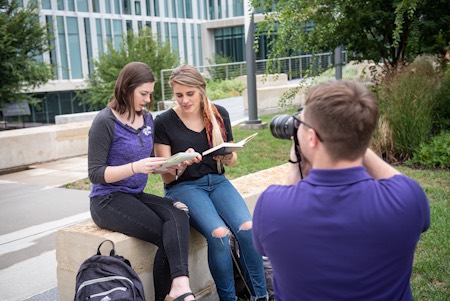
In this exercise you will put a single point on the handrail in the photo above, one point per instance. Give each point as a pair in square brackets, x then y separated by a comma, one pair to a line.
[294, 66]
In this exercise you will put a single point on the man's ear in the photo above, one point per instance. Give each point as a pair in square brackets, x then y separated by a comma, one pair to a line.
[312, 138]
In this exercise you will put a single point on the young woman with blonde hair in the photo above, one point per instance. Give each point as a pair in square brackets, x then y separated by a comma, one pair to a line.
[215, 206]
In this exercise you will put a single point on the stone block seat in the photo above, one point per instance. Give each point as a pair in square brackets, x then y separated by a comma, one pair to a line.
[77, 242]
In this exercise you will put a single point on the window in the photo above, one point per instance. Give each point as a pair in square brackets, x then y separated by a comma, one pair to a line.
[87, 34]
[60, 4]
[46, 4]
[238, 8]
[175, 9]
[64, 64]
[158, 31]
[52, 52]
[193, 45]
[129, 25]
[96, 6]
[82, 6]
[108, 6]
[156, 4]
[126, 8]
[174, 37]
[118, 33]
[108, 31]
[71, 5]
[189, 9]
[185, 43]
[230, 42]
[199, 43]
[74, 46]
[137, 8]
[65, 101]
[117, 7]
[98, 25]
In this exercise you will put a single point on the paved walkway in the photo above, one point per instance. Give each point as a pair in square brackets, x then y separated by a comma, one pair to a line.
[33, 208]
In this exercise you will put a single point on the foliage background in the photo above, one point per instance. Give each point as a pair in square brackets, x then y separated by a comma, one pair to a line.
[142, 47]
[389, 31]
[22, 40]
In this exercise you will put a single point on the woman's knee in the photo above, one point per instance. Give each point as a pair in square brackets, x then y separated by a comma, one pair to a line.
[246, 226]
[220, 232]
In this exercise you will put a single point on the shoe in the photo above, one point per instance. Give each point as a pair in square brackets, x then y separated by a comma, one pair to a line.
[179, 298]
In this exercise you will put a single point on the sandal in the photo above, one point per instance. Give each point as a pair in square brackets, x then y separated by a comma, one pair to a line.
[179, 298]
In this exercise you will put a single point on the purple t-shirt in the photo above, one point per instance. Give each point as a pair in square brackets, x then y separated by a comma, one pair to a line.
[112, 143]
[341, 235]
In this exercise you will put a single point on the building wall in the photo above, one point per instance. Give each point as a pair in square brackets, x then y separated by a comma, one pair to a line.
[196, 29]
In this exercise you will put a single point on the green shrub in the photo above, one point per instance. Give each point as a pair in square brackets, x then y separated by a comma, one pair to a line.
[441, 119]
[225, 88]
[407, 101]
[140, 47]
[434, 154]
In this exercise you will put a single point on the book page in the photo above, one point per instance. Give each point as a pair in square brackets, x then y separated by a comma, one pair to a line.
[228, 147]
[177, 159]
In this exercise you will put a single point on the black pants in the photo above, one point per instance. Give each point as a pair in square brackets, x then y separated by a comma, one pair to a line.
[153, 219]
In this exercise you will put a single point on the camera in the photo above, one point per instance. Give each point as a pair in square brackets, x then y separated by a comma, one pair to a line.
[282, 126]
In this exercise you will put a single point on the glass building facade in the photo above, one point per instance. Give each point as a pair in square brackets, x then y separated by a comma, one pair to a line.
[81, 30]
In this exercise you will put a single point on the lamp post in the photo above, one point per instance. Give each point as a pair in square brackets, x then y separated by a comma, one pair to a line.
[249, 25]
[338, 62]
[338, 54]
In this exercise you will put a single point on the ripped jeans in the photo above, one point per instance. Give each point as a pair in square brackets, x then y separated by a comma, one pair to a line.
[214, 206]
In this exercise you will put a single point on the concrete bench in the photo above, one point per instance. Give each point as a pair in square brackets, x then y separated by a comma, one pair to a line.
[76, 243]
[269, 90]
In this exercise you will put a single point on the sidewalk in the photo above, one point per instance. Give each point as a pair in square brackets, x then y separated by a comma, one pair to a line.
[34, 207]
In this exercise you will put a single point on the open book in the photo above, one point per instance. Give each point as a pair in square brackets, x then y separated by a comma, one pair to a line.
[177, 159]
[228, 147]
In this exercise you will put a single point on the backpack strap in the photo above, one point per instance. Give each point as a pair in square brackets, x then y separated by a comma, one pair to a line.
[112, 253]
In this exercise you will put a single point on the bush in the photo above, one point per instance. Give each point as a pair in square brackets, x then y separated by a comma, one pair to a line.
[225, 89]
[407, 101]
[441, 119]
[434, 154]
[141, 47]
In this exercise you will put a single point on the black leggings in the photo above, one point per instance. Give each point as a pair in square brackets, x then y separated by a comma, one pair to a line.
[153, 219]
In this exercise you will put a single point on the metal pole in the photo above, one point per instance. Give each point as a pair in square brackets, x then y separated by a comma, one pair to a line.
[338, 61]
[251, 65]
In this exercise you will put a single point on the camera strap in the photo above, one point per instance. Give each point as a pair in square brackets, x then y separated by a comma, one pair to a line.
[297, 153]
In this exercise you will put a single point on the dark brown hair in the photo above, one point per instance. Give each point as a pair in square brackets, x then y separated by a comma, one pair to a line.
[345, 114]
[131, 76]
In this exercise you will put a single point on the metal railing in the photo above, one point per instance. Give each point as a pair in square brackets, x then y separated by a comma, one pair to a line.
[296, 67]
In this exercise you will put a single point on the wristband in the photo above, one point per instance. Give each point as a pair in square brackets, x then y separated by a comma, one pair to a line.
[132, 169]
[293, 162]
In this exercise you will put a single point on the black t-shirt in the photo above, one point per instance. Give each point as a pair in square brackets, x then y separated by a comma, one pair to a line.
[170, 130]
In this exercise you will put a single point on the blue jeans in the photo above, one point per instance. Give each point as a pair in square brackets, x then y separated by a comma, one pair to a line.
[214, 203]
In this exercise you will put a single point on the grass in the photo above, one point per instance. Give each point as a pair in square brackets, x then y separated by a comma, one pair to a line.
[431, 271]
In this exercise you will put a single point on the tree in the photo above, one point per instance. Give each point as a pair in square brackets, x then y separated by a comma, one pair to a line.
[386, 31]
[22, 41]
[142, 47]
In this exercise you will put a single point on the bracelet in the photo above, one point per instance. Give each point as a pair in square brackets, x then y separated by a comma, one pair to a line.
[293, 162]
[132, 169]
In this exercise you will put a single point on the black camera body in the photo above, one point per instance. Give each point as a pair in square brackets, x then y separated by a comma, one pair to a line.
[282, 126]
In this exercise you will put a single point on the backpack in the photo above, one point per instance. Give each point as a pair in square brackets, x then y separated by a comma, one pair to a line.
[241, 287]
[108, 278]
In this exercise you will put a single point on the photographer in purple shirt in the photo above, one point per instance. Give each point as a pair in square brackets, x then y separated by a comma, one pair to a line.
[348, 230]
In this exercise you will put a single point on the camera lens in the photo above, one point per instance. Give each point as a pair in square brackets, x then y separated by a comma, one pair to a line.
[282, 126]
